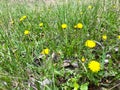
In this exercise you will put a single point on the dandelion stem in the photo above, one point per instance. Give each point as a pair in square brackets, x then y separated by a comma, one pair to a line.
[100, 44]
[83, 66]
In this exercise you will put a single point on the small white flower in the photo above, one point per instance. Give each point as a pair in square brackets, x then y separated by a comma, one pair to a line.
[116, 49]
[106, 60]
[5, 83]
[108, 56]
[45, 82]
[88, 35]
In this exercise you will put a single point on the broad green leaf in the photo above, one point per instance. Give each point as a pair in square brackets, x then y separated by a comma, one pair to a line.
[76, 86]
[84, 86]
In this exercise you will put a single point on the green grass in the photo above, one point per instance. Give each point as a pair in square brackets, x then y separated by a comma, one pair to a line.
[20, 53]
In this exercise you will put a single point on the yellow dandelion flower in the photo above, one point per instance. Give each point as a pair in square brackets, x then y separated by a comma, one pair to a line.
[45, 51]
[89, 7]
[26, 32]
[23, 18]
[75, 26]
[104, 37]
[79, 25]
[11, 22]
[114, 6]
[64, 26]
[83, 59]
[94, 66]
[90, 43]
[118, 36]
[81, 13]
[41, 24]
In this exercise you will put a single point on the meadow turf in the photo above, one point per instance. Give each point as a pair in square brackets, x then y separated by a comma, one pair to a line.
[49, 45]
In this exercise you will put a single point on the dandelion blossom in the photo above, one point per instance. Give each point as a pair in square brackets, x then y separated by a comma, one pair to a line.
[118, 37]
[81, 13]
[41, 24]
[79, 25]
[11, 22]
[89, 7]
[83, 59]
[23, 18]
[114, 6]
[45, 51]
[104, 37]
[64, 26]
[75, 26]
[94, 66]
[90, 43]
[26, 32]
